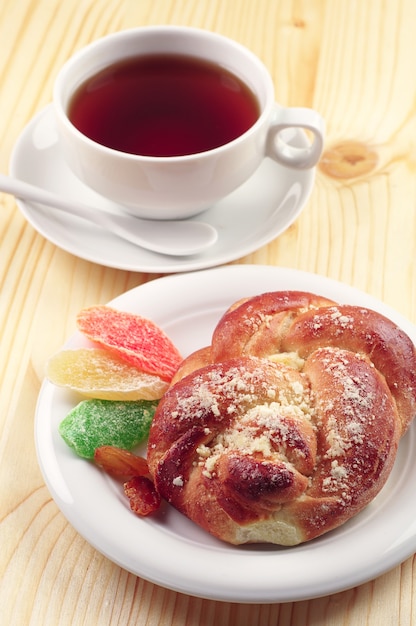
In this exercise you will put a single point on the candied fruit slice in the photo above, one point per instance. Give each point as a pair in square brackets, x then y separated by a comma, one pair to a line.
[144, 499]
[120, 462]
[133, 338]
[95, 423]
[96, 373]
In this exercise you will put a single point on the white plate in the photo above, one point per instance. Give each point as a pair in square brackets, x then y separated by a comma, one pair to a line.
[249, 218]
[173, 552]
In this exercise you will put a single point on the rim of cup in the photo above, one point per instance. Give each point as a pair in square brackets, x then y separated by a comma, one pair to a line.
[66, 85]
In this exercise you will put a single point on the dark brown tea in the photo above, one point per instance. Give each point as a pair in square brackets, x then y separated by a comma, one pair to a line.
[163, 105]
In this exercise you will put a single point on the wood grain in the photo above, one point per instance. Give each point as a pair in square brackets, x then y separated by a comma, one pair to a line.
[351, 60]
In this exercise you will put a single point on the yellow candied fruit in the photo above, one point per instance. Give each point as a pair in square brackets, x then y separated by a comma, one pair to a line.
[96, 373]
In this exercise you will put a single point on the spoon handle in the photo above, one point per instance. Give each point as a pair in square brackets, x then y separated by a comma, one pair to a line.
[26, 191]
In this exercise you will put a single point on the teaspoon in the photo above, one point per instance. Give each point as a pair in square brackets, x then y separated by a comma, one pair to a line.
[171, 237]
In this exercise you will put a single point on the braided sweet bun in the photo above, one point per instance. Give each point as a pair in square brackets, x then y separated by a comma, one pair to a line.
[289, 423]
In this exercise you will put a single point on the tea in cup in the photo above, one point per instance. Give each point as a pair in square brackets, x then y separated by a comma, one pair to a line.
[167, 120]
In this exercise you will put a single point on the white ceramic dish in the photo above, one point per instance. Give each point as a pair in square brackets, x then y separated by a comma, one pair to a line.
[170, 550]
[255, 214]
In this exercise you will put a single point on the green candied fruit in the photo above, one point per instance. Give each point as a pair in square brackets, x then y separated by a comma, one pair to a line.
[94, 423]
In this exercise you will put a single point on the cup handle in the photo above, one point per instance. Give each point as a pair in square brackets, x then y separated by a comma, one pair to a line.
[295, 156]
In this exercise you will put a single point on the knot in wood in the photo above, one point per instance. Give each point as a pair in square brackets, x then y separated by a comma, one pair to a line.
[350, 159]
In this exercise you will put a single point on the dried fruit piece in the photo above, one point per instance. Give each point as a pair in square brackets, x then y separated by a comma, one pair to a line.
[144, 499]
[119, 462]
[95, 423]
[97, 373]
[133, 338]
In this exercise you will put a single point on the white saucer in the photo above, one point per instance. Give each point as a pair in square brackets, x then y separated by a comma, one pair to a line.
[249, 218]
[170, 550]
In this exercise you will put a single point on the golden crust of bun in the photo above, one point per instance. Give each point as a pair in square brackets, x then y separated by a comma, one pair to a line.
[289, 423]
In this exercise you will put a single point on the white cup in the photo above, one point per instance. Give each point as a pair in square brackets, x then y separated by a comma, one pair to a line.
[178, 187]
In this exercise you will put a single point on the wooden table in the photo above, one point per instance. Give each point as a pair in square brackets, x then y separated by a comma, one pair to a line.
[352, 60]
